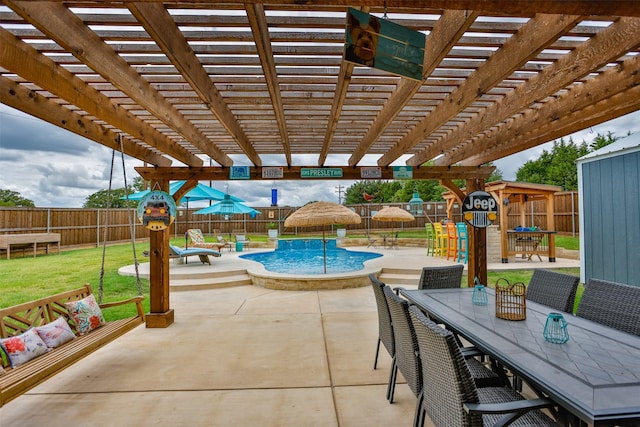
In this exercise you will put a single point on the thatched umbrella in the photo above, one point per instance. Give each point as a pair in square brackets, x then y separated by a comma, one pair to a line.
[322, 213]
[392, 214]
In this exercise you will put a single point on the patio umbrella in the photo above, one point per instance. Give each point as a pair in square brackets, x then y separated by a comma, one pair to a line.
[393, 214]
[322, 213]
[228, 206]
[199, 192]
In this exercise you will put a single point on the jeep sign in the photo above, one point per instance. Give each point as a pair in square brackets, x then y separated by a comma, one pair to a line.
[480, 209]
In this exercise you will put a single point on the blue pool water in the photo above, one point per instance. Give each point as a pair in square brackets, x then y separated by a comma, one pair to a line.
[305, 256]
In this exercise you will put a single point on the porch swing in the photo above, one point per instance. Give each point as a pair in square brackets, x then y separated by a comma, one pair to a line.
[21, 321]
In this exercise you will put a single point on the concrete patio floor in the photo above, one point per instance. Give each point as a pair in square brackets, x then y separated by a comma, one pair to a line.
[239, 356]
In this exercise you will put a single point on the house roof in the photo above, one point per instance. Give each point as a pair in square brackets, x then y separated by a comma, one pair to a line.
[260, 83]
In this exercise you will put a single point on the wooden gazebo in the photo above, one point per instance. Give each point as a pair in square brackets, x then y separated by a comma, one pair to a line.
[527, 239]
[245, 86]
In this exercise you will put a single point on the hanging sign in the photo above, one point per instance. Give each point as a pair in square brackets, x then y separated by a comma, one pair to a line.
[157, 210]
[239, 172]
[321, 173]
[385, 45]
[403, 172]
[272, 172]
[370, 172]
[480, 209]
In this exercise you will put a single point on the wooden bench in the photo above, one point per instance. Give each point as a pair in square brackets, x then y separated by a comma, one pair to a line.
[28, 240]
[19, 318]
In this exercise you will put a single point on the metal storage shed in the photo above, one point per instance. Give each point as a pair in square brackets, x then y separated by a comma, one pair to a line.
[609, 203]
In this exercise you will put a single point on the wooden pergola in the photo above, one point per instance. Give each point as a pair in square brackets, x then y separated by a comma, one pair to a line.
[182, 84]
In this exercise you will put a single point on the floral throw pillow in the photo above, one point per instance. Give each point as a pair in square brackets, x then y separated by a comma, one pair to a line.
[22, 348]
[55, 333]
[86, 313]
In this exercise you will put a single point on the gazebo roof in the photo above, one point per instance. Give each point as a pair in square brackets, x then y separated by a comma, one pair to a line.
[182, 82]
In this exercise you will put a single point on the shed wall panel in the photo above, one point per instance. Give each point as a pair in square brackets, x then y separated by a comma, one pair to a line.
[612, 218]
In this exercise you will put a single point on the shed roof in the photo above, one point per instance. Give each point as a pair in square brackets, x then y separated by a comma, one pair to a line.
[624, 145]
[258, 83]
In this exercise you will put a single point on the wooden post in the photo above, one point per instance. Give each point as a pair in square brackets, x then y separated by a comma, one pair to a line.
[477, 243]
[160, 314]
[504, 226]
[551, 226]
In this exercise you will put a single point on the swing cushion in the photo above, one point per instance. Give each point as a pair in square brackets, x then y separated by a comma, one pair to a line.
[23, 347]
[55, 333]
[86, 314]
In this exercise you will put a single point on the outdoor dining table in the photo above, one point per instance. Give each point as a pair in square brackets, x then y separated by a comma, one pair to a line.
[594, 377]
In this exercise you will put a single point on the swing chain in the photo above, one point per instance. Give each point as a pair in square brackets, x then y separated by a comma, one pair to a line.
[132, 229]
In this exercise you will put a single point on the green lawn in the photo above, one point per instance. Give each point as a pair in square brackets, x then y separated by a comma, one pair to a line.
[25, 278]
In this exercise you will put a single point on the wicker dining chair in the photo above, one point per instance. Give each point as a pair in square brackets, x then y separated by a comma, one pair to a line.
[612, 304]
[385, 329]
[407, 355]
[555, 290]
[450, 396]
[449, 276]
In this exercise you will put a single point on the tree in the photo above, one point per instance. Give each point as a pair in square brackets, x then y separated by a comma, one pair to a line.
[402, 191]
[100, 199]
[558, 167]
[13, 198]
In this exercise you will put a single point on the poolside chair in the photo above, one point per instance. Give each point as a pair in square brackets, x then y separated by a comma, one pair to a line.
[555, 290]
[612, 304]
[240, 236]
[441, 277]
[197, 240]
[202, 253]
[451, 397]
[385, 328]
[372, 240]
[392, 241]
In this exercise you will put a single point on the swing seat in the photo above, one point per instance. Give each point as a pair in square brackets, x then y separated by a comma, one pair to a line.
[202, 253]
[14, 321]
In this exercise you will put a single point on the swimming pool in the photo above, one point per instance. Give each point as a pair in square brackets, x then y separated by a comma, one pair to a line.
[305, 256]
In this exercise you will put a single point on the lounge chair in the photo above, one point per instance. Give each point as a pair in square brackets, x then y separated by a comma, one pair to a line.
[241, 237]
[202, 253]
[197, 240]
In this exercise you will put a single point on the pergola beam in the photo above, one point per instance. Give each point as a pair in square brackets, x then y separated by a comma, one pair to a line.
[534, 36]
[19, 57]
[30, 102]
[260, 30]
[213, 173]
[446, 32]
[63, 26]
[593, 54]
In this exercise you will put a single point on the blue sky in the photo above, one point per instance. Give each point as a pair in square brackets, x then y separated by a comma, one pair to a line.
[56, 168]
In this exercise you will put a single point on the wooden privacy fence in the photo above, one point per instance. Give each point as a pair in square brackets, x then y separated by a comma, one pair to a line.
[86, 227]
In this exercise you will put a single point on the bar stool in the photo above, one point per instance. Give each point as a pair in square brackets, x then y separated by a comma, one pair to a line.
[441, 241]
[431, 239]
[463, 242]
[452, 241]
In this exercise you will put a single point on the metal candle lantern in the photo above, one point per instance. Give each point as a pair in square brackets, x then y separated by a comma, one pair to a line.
[479, 296]
[555, 329]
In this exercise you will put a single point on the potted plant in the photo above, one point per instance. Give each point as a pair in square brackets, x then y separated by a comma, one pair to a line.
[341, 231]
[272, 229]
